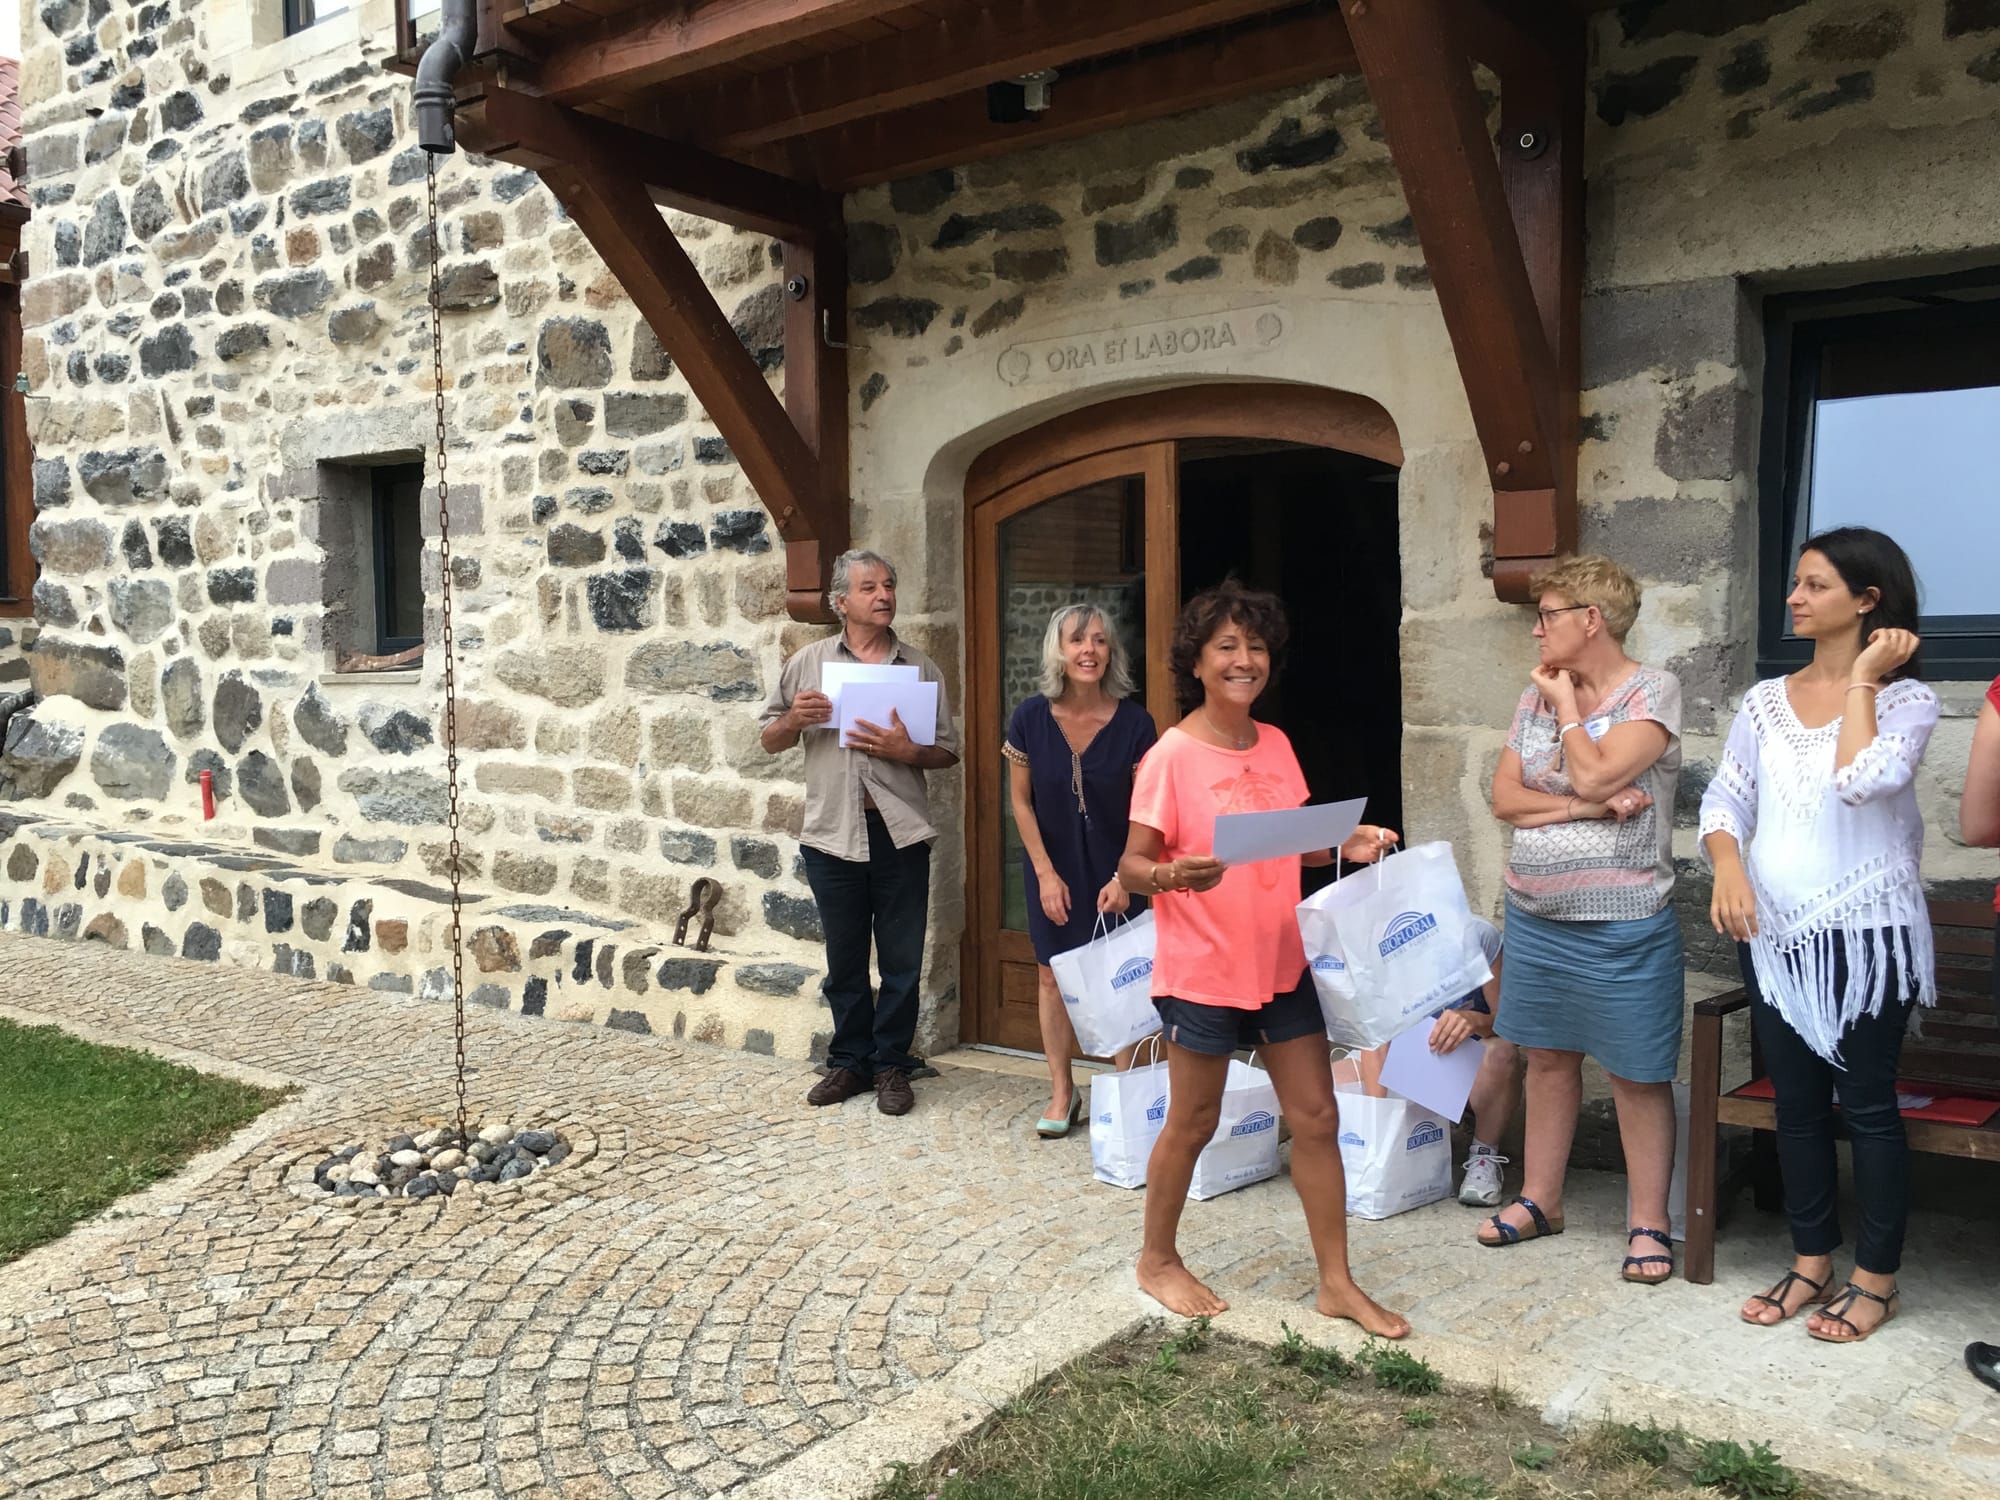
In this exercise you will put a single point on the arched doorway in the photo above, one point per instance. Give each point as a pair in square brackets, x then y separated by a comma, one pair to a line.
[1135, 504]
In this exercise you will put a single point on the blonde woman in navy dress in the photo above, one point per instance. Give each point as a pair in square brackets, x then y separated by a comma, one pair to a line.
[1071, 750]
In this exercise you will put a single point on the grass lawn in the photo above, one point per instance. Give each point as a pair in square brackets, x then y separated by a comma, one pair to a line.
[85, 1125]
[1167, 1414]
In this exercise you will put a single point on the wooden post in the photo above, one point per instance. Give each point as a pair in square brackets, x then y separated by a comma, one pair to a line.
[816, 399]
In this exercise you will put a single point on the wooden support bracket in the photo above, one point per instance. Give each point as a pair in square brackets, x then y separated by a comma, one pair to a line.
[1502, 236]
[794, 454]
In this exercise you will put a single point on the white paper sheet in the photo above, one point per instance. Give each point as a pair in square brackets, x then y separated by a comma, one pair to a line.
[835, 675]
[1442, 1083]
[916, 702]
[1245, 838]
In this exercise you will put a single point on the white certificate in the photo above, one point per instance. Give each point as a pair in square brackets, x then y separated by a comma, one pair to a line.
[1442, 1082]
[836, 675]
[915, 702]
[1245, 838]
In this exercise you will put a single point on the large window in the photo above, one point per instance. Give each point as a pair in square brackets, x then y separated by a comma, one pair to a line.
[1883, 410]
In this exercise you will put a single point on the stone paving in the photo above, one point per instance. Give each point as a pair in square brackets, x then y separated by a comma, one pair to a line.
[734, 1291]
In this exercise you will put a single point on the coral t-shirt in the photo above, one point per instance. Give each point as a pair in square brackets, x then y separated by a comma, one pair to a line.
[1992, 697]
[1237, 945]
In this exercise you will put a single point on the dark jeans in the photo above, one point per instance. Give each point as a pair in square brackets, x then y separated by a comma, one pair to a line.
[1806, 1085]
[888, 897]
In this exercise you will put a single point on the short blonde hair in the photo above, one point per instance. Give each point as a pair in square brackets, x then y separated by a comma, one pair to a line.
[1065, 622]
[1587, 578]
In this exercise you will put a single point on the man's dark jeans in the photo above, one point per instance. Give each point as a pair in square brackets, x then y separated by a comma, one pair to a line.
[1806, 1084]
[887, 898]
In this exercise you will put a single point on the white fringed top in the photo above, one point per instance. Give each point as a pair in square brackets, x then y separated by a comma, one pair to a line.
[1828, 853]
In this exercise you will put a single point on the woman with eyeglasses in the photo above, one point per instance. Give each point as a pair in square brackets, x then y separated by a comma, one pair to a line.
[1593, 947]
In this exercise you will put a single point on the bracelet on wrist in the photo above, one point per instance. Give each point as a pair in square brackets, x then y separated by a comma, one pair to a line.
[1572, 724]
[1873, 687]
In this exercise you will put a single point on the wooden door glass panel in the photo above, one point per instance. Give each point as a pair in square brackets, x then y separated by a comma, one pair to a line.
[1085, 546]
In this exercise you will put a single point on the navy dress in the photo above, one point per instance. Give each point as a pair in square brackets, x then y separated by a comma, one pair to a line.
[1082, 806]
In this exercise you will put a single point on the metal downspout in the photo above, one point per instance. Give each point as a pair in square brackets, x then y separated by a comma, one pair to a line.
[448, 52]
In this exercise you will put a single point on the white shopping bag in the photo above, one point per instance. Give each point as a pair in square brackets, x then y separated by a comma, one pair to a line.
[1244, 1148]
[1127, 1111]
[1107, 986]
[1397, 1155]
[1388, 947]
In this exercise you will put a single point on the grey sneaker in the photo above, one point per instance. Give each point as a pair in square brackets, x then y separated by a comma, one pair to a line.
[1481, 1187]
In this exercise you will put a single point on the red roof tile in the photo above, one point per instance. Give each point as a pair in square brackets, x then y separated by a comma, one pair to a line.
[10, 130]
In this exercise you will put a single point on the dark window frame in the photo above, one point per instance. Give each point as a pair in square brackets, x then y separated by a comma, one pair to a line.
[384, 481]
[1798, 327]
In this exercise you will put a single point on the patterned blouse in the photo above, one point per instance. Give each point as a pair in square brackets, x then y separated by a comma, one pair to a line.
[1597, 870]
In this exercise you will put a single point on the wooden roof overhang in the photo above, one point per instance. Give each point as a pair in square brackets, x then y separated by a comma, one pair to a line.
[760, 113]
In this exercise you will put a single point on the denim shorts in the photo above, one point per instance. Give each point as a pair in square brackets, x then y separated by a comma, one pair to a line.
[1219, 1030]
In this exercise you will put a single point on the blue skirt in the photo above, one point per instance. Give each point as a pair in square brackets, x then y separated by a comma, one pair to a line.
[1613, 990]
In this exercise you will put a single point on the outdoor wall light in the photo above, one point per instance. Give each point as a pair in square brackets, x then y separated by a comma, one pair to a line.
[1019, 99]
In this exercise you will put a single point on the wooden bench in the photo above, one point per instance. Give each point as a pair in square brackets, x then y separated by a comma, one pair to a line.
[1958, 1053]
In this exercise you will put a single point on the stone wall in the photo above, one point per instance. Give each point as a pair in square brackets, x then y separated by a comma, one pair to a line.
[1738, 150]
[228, 317]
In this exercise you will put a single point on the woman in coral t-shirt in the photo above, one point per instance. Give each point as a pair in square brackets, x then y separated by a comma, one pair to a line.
[1979, 825]
[1229, 967]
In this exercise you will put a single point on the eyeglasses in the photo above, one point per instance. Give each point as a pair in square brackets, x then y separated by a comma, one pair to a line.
[1548, 614]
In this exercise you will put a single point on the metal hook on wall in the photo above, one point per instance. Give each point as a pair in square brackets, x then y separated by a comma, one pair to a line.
[826, 332]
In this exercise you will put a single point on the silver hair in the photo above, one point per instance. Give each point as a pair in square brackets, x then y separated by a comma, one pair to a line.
[845, 564]
[1065, 621]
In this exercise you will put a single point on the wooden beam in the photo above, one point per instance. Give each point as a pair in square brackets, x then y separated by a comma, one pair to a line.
[625, 228]
[951, 132]
[1415, 61]
[656, 43]
[956, 53]
[531, 132]
[816, 400]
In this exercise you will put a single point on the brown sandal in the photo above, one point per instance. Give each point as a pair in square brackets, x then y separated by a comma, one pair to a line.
[1845, 1304]
[1776, 1298]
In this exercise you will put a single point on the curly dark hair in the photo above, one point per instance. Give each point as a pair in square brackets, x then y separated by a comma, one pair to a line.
[1228, 603]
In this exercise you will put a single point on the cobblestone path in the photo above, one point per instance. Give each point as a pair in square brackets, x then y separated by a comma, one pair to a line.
[731, 1276]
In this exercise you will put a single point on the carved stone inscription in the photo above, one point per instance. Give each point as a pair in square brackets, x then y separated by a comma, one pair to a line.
[1249, 330]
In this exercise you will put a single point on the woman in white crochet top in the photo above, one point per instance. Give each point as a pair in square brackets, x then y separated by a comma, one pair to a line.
[1812, 828]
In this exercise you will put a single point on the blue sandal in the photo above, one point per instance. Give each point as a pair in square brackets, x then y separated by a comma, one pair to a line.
[1649, 1278]
[1509, 1235]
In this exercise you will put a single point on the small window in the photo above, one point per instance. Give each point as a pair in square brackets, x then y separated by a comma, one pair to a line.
[399, 551]
[301, 15]
[1883, 410]
[368, 518]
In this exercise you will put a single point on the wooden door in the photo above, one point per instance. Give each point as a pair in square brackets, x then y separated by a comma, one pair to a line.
[1101, 529]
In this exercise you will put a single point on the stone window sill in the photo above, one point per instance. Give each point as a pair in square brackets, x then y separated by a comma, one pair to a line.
[251, 64]
[413, 677]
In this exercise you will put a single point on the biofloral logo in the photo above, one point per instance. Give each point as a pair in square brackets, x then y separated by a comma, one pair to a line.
[1157, 1110]
[1071, 1000]
[1405, 928]
[1427, 1133]
[1131, 972]
[1254, 1123]
[1349, 1138]
[1326, 963]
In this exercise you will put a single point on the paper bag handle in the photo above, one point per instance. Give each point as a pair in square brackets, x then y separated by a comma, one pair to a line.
[1154, 1038]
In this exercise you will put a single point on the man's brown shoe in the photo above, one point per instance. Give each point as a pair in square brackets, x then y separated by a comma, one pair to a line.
[893, 1094]
[839, 1085]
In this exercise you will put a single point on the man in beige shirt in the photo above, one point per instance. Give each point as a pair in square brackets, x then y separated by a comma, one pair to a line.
[867, 837]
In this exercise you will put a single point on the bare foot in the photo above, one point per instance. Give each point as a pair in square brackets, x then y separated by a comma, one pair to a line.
[1346, 1300]
[1173, 1286]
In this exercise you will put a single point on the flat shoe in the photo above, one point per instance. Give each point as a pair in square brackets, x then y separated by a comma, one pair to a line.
[1836, 1312]
[1510, 1236]
[1776, 1298]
